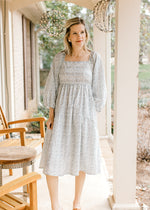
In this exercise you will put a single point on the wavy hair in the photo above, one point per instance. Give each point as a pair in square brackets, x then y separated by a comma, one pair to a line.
[69, 23]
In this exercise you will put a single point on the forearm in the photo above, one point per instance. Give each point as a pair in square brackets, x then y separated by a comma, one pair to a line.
[51, 112]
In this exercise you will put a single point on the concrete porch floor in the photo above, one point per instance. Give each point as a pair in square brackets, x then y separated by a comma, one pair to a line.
[95, 192]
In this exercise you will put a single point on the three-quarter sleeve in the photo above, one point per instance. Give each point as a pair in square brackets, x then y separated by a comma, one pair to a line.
[99, 89]
[51, 87]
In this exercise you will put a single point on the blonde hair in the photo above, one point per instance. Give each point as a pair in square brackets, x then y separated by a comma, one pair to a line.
[69, 23]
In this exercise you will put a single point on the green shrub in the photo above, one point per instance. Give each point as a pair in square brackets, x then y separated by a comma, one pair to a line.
[34, 127]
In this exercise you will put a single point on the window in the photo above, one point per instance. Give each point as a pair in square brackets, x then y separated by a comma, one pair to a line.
[28, 60]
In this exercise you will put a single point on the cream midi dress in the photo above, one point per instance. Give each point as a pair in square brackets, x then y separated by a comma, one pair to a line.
[77, 91]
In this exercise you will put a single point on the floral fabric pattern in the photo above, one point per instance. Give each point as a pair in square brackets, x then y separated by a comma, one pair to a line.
[77, 91]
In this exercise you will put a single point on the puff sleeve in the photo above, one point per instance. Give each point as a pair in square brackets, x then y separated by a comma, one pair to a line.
[51, 87]
[99, 89]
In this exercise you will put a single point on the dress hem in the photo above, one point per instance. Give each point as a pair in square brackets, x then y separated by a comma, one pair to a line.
[73, 174]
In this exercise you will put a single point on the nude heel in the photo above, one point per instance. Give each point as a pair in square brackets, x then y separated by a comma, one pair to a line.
[77, 209]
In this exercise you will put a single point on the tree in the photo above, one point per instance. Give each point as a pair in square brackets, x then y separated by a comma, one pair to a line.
[144, 41]
[49, 46]
[144, 29]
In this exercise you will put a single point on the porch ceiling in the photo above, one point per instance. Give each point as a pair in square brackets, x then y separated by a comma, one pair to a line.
[18, 4]
[84, 3]
[34, 12]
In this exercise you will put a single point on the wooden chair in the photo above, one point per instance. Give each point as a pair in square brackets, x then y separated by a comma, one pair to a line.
[9, 201]
[22, 141]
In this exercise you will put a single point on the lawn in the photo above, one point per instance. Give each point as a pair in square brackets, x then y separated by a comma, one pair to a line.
[144, 72]
[144, 84]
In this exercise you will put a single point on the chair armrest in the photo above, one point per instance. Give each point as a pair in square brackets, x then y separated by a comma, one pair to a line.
[27, 120]
[20, 130]
[40, 119]
[19, 182]
[11, 130]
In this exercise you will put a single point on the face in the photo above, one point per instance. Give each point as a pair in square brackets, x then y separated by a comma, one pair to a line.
[77, 35]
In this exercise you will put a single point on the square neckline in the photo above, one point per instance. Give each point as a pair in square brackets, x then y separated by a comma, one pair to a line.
[91, 51]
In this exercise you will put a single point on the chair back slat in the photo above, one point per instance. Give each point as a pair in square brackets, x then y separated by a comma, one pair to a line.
[3, 121]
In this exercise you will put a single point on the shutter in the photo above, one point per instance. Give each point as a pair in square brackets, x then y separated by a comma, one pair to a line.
[24, 63]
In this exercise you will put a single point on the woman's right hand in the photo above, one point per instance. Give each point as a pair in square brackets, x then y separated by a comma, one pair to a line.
[50, 122]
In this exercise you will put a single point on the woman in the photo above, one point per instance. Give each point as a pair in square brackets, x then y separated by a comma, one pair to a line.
[75, 89]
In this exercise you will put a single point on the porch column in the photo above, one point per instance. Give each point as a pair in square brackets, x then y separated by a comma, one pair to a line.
[8, 60]
[2, 70]
[126, 104]
[102, 44]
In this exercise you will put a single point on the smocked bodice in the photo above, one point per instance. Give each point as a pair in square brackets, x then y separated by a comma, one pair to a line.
[75, 72]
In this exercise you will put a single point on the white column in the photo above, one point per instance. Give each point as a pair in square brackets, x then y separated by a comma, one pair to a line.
[2, 70]
[8, 55]
[108, 79]
[102, 45]
[126, 104]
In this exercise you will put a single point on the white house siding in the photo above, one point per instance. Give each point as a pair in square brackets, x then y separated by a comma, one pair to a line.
[2, 94]
[20, 110]
[18, 65]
